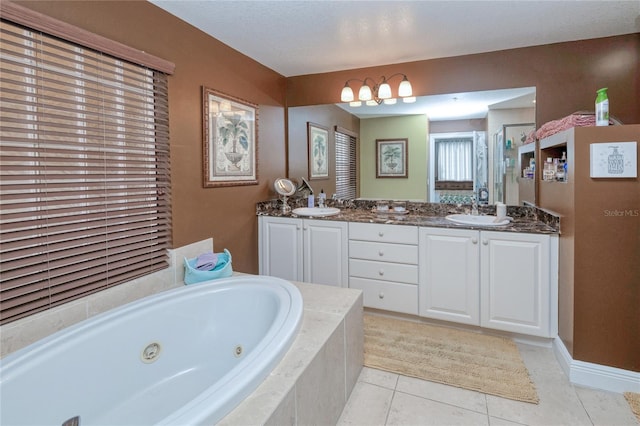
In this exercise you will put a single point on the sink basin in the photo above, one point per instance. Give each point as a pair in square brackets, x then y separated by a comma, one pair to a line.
[467, 219]
[316, 211]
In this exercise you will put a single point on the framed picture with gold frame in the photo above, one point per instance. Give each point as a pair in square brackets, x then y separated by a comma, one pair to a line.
[318, 145]
[392, 158]
[230, 140]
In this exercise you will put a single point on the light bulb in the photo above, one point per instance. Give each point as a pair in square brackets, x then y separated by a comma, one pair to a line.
[365, 93]
[405, 88]
[384, 91]
[347, 94]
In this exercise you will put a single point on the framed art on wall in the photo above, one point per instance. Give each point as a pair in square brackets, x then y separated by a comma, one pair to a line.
[318, 143]
[391, 158]
[230, 140]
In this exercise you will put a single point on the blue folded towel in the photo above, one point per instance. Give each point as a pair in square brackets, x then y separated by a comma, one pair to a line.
[206, 261]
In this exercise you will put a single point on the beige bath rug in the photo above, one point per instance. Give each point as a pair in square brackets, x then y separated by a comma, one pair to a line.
[634, 402]
[464, 359]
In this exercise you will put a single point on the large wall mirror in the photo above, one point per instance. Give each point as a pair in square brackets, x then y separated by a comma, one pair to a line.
[459, 130]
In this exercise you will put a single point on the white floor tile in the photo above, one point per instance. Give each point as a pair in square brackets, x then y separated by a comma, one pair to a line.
[495, 421]
[410, 410]
[379, 377]
[452, 395]
[368, 406]
[606, 408]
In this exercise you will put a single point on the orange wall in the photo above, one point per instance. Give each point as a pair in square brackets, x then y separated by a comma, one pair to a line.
[325, 115]
[566, 76]
[226, 214]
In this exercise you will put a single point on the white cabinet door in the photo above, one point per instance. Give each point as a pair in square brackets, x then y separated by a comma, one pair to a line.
[514, 281]
[449, 268]
[325, 252]
[281, 247]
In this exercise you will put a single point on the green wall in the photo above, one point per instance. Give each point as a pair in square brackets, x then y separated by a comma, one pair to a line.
[415, 129]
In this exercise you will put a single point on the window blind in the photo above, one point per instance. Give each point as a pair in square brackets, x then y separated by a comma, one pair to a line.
[346, 177]
[84, 171]
[454, 159]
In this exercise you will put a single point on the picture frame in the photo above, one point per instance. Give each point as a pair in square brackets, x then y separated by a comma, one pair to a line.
[392, 158]
[230, 140]
[318, 146]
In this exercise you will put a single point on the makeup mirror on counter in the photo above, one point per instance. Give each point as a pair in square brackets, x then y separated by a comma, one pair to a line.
[285, 188]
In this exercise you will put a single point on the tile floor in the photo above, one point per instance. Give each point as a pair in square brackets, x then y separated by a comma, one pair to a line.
[382, 398]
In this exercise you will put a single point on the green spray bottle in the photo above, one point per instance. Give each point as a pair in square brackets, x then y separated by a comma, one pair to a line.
[602, 108]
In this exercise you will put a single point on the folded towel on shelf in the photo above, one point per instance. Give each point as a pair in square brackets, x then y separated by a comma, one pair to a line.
[206, 261]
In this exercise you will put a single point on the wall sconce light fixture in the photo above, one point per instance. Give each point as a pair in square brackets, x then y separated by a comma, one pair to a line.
[374, 93]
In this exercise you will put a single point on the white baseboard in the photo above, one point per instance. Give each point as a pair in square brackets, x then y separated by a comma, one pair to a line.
[595, 375]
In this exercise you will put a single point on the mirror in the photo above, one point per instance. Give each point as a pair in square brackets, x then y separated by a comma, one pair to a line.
[477, 116]
[286, 189]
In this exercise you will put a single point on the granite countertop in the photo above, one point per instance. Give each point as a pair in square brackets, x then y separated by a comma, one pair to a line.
[525, 218]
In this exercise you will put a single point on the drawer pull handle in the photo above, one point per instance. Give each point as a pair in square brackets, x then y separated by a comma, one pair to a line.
[381, 234]
[381, 272]
[380, 253]
[485, 242]
[474, 240]
[381, 295]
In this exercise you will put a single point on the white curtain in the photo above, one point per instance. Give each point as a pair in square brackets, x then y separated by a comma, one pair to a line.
[455, 159]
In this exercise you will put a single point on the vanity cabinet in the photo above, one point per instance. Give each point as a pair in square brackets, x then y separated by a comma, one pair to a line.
[449, 271]
[308, 250]
[383, 263]
[499, 280]
[496, 280]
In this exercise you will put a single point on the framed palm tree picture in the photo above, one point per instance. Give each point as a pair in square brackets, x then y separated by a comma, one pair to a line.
[230, 140]
[391, 158]
[318, 142]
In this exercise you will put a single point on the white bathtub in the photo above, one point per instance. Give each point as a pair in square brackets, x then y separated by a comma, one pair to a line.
[186, 356]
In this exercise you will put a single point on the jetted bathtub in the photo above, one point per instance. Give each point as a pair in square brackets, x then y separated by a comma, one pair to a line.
[186, 356]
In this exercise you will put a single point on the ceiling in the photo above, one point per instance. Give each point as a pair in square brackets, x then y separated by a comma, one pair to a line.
[307, 37]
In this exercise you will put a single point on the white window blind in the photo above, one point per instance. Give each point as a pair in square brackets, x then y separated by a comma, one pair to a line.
[454, 159]
[346, 178]
[84, 171]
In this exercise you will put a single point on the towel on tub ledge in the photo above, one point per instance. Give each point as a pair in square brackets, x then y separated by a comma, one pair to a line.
[221, 269]
[206, 261]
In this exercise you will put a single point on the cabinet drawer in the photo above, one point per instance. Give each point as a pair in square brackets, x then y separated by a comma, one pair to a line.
[386, 295]
[384, 252]
[383, 233]
[396, 272]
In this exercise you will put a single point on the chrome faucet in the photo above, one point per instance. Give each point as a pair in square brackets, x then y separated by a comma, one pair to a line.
[474, 204]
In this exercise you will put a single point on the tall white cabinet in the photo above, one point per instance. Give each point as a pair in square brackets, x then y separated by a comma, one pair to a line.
[306, 250]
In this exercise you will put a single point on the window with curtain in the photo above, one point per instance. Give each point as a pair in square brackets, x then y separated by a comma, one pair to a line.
[346, 178]
[84, 167]
[454, 163]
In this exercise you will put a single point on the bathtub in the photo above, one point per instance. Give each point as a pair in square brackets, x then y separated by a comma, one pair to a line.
[186, 356]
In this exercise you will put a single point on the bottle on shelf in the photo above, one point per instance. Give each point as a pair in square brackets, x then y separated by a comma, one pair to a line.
[602, 107]
[549, 173]
[561, 175]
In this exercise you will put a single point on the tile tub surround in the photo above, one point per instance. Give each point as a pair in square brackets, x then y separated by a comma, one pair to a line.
[525, 218]
[313, 382]
[20, 333]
